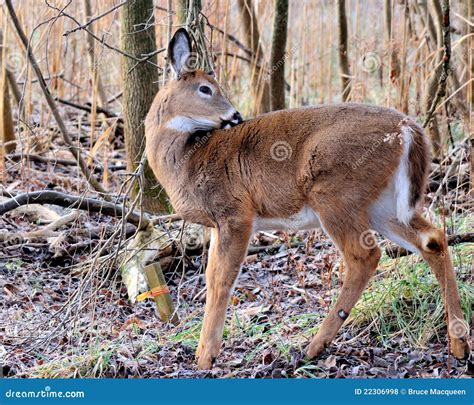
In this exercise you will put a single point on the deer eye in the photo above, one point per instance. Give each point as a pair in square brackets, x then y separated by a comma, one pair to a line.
[205, 90]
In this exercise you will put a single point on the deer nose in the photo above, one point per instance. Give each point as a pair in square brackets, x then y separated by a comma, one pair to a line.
[236, 118]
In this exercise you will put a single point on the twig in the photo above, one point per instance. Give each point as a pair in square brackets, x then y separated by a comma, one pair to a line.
[88, 108]
[76, 152]
[56, 161]
[70, 201]
[102, 40]
[93, 19]
[230, 37]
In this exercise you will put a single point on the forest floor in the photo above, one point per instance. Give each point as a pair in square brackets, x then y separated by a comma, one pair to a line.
[283, 293]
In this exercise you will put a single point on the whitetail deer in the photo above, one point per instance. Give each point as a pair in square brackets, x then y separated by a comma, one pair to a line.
[346, 168]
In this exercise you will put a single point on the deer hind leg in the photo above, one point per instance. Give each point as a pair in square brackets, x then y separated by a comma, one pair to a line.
[361, 256]
[227, 251]
[431, 244]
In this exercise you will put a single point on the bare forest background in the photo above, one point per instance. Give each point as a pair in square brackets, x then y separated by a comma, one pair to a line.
[84, 226]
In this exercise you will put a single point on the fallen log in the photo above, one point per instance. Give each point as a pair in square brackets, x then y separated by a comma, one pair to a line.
[70, 201]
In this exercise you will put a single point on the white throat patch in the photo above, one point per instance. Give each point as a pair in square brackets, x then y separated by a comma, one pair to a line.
[181, 123]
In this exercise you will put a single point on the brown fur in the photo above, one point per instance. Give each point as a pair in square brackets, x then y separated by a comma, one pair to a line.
[324, 142]
[342, 159]
[419, 161]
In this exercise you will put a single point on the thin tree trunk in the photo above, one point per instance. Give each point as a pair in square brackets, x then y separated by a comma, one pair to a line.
[92, 58]
[394, 62]
[277, 60]
[260, 89]
[469, 29]
[140, 85]
[467, 10]
[432, 87]
[427, 20]
[7, 133]
[182, 11]
[169, 36]
[343, 57]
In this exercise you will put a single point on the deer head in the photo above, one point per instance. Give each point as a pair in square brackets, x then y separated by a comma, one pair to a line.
[193, 101]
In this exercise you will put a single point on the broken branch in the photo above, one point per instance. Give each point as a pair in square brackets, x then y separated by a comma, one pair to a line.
[69, 201]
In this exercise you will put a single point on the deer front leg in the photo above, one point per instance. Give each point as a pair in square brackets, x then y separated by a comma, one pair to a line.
[227, 251]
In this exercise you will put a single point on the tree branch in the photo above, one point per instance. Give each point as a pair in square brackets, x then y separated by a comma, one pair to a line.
[70, 201]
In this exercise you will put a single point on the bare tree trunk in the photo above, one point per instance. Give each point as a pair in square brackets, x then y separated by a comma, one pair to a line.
[427, 20]
[260, 88]
[468, 47]
[468, 10]
[7, 133]
[432, 87]
[182, 10]
[140, 85]
[169, 36]
[343, 57]
[92, 58]
[277, 59]
[394, 61]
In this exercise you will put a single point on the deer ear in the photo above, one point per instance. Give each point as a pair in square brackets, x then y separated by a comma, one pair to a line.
[179, 50]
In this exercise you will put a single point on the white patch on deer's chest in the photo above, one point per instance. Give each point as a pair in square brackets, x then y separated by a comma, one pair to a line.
[305, 219]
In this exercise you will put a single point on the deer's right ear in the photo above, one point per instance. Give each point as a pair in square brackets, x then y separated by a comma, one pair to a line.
[179, 51]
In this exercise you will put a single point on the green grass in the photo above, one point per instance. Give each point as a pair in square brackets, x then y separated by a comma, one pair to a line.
[407, 303]
[92, 364]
